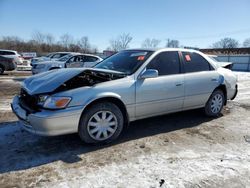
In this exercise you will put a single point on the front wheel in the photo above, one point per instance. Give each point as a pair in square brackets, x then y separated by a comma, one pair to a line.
[215, 103]
[101, 123]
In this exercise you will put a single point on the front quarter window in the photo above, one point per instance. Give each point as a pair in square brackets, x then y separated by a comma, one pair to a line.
[127, 61]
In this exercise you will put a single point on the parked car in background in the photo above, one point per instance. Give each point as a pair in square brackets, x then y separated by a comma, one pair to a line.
[50, 56]
[130, 85]
[227, 65]
[71, 60]
[7, 64]
[18, 59]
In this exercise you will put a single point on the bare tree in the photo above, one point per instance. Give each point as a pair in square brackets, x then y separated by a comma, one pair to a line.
[121, 42]
[226, 43]
[172, 43]
[50, 39]
[125, 39]
[115, 45]
[84, 44]
[246, 43]
[38, 37]
[150, 43]
[94, 50]
[66, 40]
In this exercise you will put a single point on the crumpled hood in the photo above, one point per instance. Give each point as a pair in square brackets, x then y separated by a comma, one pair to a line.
[49, 81]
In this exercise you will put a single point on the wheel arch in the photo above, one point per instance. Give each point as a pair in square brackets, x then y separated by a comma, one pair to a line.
[223, 88]
[112, 99]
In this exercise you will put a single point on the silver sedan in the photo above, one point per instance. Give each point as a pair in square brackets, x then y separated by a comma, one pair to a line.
[130, 85]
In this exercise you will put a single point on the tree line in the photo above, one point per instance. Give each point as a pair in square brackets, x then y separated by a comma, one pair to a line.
[44, 43]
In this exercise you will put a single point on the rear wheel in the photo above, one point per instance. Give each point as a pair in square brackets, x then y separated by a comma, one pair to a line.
[101, 123]
[215, 103]
[1, 69]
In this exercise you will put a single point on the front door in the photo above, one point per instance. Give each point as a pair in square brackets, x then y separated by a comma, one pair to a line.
[163, 94]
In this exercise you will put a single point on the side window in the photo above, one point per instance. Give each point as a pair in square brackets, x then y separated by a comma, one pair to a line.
[61, 55]
[72, 59]
[194, 62]
[166, 63]
[9, 53]
[90, 59]
[78, 58]
[58, 55]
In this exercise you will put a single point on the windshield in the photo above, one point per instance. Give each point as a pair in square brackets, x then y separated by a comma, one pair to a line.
[65, 58]
[125, 61]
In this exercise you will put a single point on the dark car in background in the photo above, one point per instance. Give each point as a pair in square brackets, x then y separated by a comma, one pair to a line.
[7, 64]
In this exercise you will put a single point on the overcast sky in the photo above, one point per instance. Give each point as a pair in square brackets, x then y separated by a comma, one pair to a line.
[194, 22]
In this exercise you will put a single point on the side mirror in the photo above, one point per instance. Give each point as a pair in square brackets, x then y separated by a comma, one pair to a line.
[149, 73]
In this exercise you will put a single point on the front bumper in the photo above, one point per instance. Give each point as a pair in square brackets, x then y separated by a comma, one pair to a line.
[48, 122]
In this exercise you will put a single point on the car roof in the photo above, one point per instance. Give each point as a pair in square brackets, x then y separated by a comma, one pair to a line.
[75, 54]
[63, 52]
[162, 49]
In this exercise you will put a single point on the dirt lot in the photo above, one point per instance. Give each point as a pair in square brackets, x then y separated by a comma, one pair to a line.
[184, 149]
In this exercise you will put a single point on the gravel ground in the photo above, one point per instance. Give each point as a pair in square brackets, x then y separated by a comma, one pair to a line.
[184, 149]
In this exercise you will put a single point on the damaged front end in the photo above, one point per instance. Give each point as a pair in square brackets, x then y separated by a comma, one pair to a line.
[36, 94]
[44, 100]
[41, 107]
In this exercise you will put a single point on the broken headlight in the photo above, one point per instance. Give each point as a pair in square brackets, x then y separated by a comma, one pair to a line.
[56, 102]
[42, 99]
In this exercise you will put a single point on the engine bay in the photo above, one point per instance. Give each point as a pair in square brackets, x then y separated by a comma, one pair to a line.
[89, 78]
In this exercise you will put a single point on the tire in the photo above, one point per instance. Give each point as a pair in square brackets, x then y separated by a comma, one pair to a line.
[215, 103]
[101, 123]
[1, 69]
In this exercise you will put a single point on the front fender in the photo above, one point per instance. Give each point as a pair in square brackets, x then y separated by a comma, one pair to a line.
[102, 95]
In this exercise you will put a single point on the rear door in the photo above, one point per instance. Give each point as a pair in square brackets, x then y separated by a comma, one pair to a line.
[200, 80]
[164, 93]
